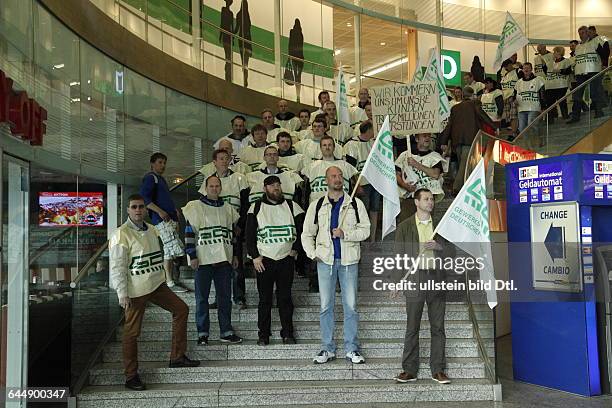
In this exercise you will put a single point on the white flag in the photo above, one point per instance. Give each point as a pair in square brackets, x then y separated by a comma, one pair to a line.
[466, 225]
[434, 73]
[379, 170]
[511, 40]
[342, 100]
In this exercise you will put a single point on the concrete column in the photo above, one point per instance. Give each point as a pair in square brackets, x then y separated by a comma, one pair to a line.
[196, 33]
[278, 60]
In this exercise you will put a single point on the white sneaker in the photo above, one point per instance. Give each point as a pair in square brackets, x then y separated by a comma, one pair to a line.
[355, 358]
[177, 288]
[323, 357]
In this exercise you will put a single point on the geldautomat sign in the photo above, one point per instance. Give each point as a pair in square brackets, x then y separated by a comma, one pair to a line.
[541, 183]
[24, 115]
[597, 175]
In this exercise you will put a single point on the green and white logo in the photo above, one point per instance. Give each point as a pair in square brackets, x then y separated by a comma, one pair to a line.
[148, 263]
[276, 234]
[214, 235]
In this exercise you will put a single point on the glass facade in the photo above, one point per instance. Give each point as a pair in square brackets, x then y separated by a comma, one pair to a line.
[375, 40]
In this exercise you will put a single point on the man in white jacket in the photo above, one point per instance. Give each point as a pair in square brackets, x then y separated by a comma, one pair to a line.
[335, 246]
[137, 274]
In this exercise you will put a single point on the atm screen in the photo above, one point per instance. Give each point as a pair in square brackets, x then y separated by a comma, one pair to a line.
[66, 209]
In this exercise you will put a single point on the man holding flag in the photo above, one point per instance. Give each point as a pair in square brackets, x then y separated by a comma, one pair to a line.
[466, 225]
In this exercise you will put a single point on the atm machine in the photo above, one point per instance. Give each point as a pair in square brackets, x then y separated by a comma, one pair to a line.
[559, 213]
[603, 286]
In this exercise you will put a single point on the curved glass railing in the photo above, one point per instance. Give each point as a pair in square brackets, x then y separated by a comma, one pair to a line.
[549, 134]
[202, 49]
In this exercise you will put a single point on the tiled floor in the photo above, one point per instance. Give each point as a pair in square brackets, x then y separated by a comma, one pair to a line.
[515, 394]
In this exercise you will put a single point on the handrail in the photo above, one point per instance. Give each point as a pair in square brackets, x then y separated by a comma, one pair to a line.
[94, 258]
[490, 370]
[554, 106]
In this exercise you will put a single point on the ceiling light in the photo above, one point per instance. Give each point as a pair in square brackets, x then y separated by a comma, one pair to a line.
[349, 24]
[75, 83]
[383, 43]
[382, 68]
[76, 99]
[337, 52]
[58, 66]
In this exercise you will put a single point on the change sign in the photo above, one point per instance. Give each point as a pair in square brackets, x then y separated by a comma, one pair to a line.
[412, 108]
[555, 241]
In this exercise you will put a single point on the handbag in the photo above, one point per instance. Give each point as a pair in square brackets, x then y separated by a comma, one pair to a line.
[289, 76]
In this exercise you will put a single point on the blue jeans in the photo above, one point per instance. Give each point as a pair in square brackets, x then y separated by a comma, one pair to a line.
[328, 276]
[222, 275]
[525, 118]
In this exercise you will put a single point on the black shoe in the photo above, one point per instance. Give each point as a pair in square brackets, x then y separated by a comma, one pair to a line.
[242, 305]
[184, 362]
[289, 340]
[212, 305]
[598, 114]
[263, 341]
[313, 289]
[232, 338]
[203, 341]
[572, 120]
[135, 384]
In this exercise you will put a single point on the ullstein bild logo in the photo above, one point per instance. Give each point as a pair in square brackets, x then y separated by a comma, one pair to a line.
[24, 115]
[526, 173]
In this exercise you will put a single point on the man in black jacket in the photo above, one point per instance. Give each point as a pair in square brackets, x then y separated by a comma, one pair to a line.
[273, 227]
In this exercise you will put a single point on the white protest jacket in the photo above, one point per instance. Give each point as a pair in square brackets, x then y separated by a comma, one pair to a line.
[316, 238]
[422, 180]
[315, 173]
[507, 83]
[527, 94]
[488, 103]
[231, 186]
[213, 230]
[587, 59]
[136, 261]
[289, 180]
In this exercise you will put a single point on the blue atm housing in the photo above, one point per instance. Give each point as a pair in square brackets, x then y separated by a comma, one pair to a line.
[554, 334]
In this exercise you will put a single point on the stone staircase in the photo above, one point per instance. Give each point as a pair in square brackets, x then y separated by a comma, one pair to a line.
[284, 375]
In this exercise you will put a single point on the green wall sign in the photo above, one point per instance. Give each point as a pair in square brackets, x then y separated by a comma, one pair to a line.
[451, 67]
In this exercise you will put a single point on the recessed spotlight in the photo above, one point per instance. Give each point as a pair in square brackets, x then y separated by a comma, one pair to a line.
[337, 52]
[383, 43]
[349, 24]
[58, 66]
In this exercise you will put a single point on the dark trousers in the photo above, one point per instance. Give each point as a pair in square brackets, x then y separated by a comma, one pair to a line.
[436, 307]
[463, 152]
[238, 281]
[552, 96]
[280, 273]
[166, 299]
[597, 94]
[221, 274]
[227, 47]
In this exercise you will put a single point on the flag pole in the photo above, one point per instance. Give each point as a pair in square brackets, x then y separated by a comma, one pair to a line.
[351, 199]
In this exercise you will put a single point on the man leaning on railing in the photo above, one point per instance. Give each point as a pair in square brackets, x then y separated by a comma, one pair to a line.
[137, 274]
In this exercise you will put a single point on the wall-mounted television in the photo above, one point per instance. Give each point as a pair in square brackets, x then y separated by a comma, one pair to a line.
[66, 209]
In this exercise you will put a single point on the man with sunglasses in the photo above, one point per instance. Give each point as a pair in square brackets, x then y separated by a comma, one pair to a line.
[137, 274]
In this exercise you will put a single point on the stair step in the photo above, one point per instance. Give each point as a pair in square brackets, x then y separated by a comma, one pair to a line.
[232, 394]
[305, 349]
[278, 370]
[311, 330]
[299, 315]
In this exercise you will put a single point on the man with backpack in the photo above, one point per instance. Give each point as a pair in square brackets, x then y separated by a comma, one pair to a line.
[164, 216]
[273, 227]
[334, 226]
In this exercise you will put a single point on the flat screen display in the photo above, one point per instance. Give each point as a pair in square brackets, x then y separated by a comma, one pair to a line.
[66, 209]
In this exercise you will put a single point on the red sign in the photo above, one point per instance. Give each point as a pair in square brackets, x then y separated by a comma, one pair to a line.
[509, 153]
[24, 115]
